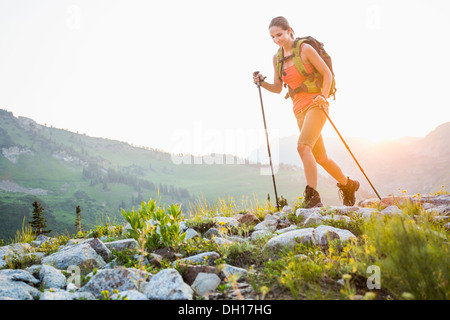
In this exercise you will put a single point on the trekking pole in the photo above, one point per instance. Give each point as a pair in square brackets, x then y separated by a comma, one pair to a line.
[267, 138]
[321, 107]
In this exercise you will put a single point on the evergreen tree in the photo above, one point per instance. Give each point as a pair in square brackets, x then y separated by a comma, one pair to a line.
[38, 222]
[78, 219]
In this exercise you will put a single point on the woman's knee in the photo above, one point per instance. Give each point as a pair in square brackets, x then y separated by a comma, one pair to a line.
[304, 149]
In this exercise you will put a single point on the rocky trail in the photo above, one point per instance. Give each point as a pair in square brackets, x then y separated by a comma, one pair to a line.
[90, 268]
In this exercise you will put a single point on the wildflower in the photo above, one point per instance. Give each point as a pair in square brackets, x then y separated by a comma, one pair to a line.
[369, 296]
[346, 277]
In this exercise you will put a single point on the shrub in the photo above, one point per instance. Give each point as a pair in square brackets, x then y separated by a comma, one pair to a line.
[157, 227]
[413, 258]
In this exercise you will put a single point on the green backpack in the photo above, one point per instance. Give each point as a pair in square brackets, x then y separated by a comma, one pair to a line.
[314, 80]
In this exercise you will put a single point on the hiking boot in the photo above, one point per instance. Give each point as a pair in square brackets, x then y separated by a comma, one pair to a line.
[312, 198]
[347, 192]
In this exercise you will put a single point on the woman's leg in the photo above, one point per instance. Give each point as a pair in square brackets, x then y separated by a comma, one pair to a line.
[310, 123]
[309, 164]
[328, 164]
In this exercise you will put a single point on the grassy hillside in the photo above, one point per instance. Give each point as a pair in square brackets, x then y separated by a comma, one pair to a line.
[63, 169]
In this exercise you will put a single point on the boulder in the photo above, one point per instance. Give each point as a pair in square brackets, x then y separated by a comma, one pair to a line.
[189, 271]
[19, 275]
[226, 222]
[287, 210]
[58, 294]
[212, 232]
[190, 234]
[221, 240]
[120, 279]
[290, 239]
[270, 223]
[248, 219]
[41, 239]
[81, 255]
[229, 270]
[12, 286]
[310, 216]
[342, 209]
[122, 245]
[99, 247]
[17, 249]
[205, 283]
[208, 257]
[167, 285]
[323, 234]
[366, 213]
[52, 278]
[129, 295]
[260, 234]
[391, 210]
[287, 229]
[336, 217]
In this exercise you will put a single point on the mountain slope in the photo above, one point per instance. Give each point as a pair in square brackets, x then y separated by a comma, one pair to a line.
[418, 165]
[64, 169]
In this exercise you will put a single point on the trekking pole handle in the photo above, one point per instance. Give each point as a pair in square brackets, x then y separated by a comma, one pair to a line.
[255, 74]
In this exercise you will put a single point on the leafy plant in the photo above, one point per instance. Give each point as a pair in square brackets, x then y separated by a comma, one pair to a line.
[160, 227]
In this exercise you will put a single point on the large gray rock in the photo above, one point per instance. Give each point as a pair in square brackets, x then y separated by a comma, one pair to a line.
[229, 270]
[310, 216]
[167, 285]
[288, 229]
[190, 234]
[15, 249]
[58, 294]
[336, 217]
[129, 295]
[208, 257]
[19, 275]
[342, 209]
[269, 224]
[392, 210]
[12, 286]
[52, 278]
[122, 245]
[440, 210]
[99, 247]
[290, 239]
[205, 283]
[366, 213]
[81, 255]
[261, 234]
[212, 232]
[41, 239]
[222, 241]
[226, 222]
[323, 234]
[120, 279]
[320, 235]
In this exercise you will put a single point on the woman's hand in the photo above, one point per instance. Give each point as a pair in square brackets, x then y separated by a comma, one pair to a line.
[258, 78]
[320, 101]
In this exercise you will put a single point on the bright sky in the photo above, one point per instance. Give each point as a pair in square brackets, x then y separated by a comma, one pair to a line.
[177, 75]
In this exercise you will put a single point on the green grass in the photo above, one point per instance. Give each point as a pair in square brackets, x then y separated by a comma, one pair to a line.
[410, 251]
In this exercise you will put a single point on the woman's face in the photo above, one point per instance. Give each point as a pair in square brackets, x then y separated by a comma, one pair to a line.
[279, 36]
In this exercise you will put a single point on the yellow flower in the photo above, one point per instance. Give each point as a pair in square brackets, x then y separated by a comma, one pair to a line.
[346, 277]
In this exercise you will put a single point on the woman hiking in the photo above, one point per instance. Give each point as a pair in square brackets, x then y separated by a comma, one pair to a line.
[306, 107]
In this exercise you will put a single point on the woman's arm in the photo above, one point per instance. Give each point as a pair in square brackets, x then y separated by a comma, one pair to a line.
[277, 85]
[313, 57]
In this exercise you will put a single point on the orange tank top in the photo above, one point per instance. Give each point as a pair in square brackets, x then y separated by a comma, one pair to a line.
[294, 79]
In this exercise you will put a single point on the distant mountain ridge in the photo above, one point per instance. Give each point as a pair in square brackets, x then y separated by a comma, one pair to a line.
[417, 165]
